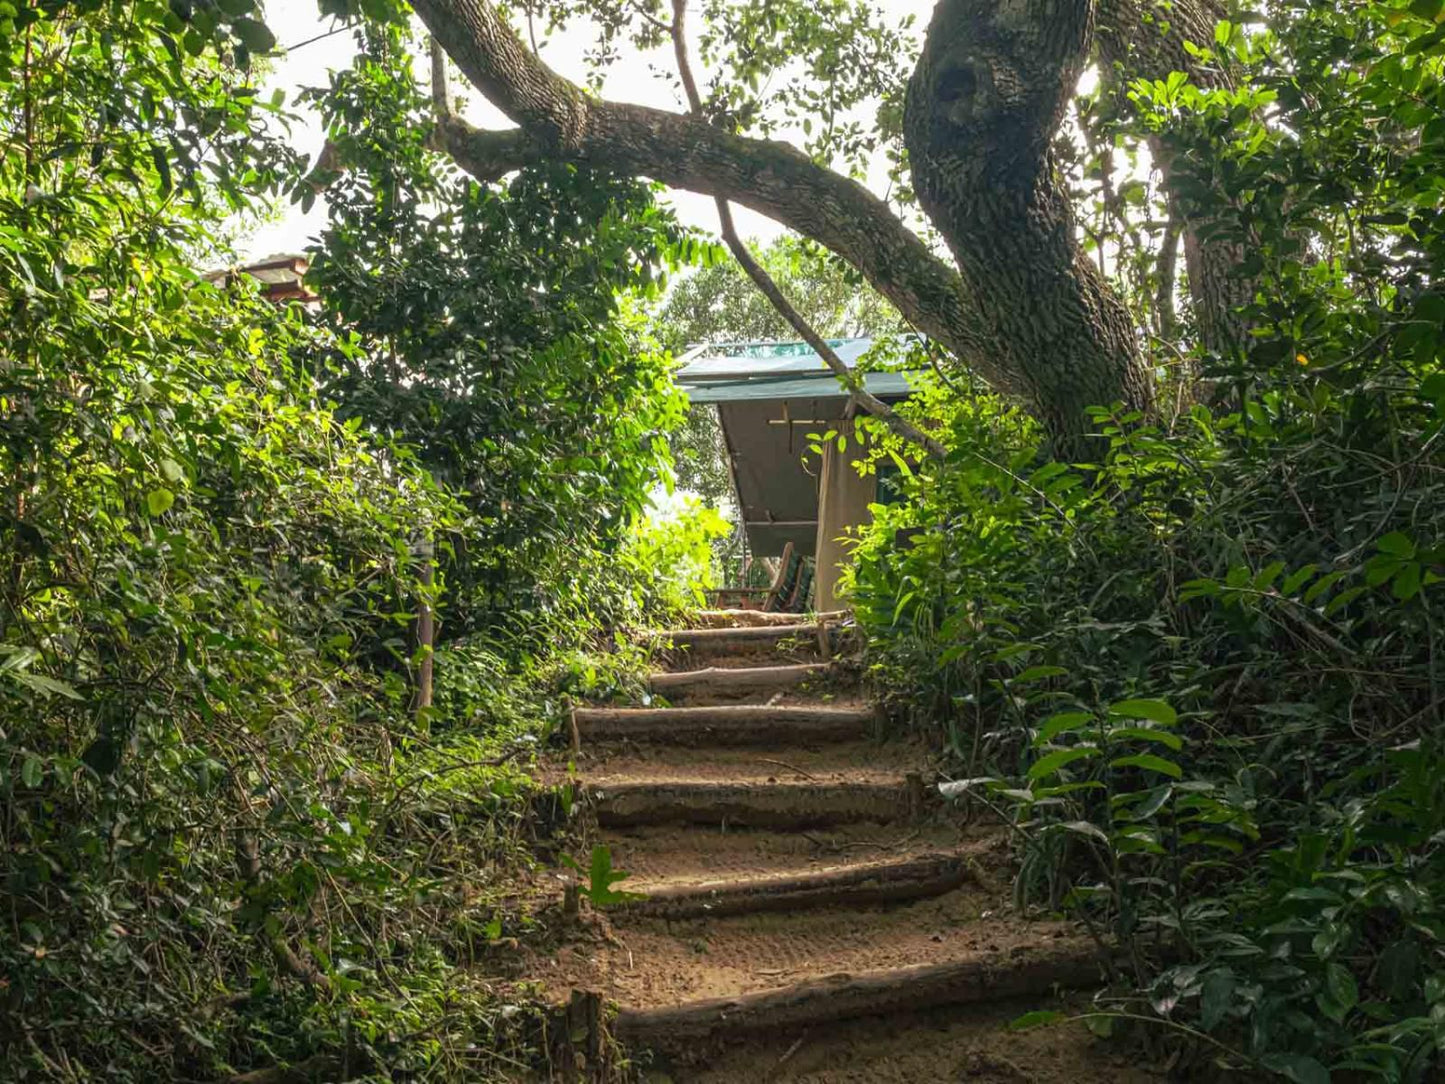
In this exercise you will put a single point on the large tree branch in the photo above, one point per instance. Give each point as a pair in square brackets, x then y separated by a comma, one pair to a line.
[1028, 312]
[558, 120]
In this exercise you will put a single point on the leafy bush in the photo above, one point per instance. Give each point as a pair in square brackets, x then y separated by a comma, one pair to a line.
[227, 840]
[1266, 575]
[1202, 673]
[495, 329]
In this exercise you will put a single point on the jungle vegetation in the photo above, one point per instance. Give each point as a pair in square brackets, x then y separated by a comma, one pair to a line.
[1162, 587]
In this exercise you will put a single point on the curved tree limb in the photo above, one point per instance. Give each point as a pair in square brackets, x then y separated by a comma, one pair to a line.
[558, 120]
[1027, 312]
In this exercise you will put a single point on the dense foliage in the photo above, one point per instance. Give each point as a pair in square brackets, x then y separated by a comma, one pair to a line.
[1203, 673]
[494, 329]
[229, 840]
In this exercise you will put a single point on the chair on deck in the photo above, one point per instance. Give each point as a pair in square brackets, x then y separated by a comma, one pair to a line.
[788, 592]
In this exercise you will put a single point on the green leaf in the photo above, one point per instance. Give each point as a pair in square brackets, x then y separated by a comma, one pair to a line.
[1320, 586]
[1038, 673]
[1059, 758]
[1085, 828]
[1061, 723]
[1341, 987]
[32, 770]
[1037, 1018]
[1397, 544]
[1296, 580]
[1161, 737]
[1149, 762]
[1215, 997]
[1301, 1068]
[163, 169]
[48, 685]
[254, 34]
[1406, 585]
[1155, 710]
[1268, 575]
[158, 501]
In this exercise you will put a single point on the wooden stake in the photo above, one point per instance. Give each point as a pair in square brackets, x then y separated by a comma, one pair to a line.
[425, 628]
[917, 797]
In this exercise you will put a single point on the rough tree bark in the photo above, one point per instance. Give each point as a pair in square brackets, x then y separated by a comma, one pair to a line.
[1022, 307]
[1136, 39]
[984, 103]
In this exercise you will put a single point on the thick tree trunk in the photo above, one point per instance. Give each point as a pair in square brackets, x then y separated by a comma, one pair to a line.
[984, 103]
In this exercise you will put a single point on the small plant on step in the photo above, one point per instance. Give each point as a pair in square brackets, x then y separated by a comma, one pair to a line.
[601, 877]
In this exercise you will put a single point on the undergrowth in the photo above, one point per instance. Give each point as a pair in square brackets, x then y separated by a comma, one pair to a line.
[1203, 673]
[1203, 676]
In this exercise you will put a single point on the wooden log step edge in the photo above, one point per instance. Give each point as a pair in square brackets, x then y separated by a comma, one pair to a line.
[732, 724]
[986, 978]
[778, 806]
[850, 886]
[743, 636]
[729, 679]
[720, 619]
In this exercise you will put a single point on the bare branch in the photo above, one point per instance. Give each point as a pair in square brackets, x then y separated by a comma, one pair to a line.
[441, 91]
[769, 289]
[851, 380]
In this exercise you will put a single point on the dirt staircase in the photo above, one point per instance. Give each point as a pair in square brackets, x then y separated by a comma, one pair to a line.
[808, 909]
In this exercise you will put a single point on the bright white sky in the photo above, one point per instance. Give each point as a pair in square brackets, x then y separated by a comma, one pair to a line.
[630, 79]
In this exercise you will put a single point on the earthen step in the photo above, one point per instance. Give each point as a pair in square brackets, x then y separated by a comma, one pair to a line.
[756, 805]
[727, 724]
[780, 642]
[827, 761]
[942, 1044]
[663, 855]
[723, 682]
[981, 979]
[886, 881]
[731, 619]
[684, 961]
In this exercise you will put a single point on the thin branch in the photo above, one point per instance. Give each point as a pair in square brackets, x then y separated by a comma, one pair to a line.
[1168, 279]
[441, 91]
[850, 380]
[319, 37]
[679, 49]
[649, 17]
[765, 284]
